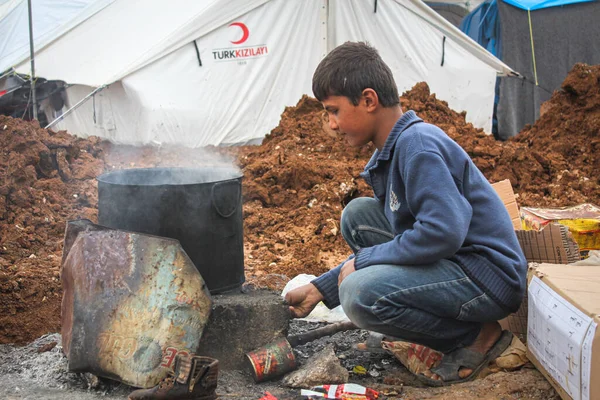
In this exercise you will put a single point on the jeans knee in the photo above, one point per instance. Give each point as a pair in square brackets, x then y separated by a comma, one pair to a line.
[352, 213]
[356, 306]
[352, 308]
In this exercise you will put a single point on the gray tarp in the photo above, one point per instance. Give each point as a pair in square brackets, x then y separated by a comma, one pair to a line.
[562, 36]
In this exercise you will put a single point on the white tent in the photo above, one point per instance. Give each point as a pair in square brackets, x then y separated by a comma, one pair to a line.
[51, 19]
[216, 72]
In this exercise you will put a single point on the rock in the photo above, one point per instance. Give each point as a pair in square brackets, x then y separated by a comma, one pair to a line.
[242, 322]
[63, 165]
[323, 368]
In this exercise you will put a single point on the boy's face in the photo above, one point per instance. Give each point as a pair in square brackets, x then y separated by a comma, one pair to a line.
[354, 122]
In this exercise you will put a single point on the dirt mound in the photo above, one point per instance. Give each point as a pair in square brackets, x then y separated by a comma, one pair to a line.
[47, 179]
[497, 160]
[295, 186]
[566, 141]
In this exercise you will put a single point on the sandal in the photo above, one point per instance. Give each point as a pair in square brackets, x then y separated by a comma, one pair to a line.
[452, 362]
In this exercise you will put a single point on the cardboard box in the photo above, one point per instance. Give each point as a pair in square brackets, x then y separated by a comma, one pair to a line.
[583, 221]
[507, 195]
[559, 314]
[563, 339]
[553, 244]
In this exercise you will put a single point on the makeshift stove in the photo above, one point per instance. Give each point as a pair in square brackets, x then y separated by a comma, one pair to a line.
[161, 276]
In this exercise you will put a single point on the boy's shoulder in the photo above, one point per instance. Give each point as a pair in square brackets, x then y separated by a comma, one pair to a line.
[423, 136]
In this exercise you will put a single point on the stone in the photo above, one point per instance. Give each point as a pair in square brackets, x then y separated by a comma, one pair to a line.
[323, 368]
[241, 322]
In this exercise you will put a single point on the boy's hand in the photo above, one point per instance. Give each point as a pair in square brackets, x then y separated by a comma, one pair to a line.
[346, 270]
[303, 300]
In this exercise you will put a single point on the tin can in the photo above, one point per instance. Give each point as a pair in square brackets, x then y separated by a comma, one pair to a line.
[271, 361]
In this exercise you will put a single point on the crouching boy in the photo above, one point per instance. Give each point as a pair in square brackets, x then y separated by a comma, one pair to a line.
[429, 265]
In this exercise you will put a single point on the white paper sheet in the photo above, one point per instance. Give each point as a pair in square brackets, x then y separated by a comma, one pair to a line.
[560, 337]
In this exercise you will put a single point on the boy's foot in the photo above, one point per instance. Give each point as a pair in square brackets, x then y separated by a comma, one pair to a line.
[464, 364]
[373, 344]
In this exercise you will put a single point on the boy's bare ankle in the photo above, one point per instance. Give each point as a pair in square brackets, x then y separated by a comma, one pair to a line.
[488, 336]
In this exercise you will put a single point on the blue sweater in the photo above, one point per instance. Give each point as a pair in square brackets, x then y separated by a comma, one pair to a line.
[440, 206]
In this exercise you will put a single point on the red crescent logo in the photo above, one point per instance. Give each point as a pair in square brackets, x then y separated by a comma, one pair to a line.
[245, 32]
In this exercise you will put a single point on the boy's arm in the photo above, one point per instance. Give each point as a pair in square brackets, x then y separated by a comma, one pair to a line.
[328, 285]
[442, 214]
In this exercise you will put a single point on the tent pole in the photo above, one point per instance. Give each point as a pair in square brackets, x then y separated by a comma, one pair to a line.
[70, 110]
[35, 113]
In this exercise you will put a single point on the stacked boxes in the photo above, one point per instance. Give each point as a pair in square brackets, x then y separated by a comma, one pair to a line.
[559, 314]
[582, 220]
[554, 244]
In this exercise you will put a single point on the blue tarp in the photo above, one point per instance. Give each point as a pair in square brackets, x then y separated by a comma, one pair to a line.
[559, 44]
[539, 4]
[482, 26]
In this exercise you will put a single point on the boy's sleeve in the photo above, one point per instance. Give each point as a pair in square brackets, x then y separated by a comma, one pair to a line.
[442, 214]
[328, 285]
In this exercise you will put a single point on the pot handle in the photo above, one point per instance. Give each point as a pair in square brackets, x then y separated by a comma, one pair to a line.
[217, 204]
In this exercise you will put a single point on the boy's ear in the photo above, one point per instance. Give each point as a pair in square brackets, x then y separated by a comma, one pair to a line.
[371, 99]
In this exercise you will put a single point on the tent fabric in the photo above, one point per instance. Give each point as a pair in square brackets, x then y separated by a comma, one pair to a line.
[228, 101]
[470, 5]
[562, 37]
[108, 49]
[159, 31]
[483, 26]
[181, 74]
[51, 19]
[541, 4]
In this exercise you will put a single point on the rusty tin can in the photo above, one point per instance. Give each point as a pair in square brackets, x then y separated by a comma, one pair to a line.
[271, 361]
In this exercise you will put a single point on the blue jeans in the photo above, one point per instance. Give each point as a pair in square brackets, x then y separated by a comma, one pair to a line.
[436, 304]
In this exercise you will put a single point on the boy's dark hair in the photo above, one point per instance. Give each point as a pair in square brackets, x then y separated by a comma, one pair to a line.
[351, 68]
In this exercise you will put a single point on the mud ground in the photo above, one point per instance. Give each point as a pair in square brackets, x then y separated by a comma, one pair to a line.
[295, 185]
[39, 371]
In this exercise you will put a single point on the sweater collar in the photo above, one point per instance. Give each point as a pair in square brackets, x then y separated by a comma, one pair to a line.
[407, 119]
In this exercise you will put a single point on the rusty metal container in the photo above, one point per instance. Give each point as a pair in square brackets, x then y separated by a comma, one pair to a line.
[131, 302]
[200, 207]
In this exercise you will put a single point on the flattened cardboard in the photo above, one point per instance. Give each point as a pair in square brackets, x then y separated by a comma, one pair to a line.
[567, 294]
[507, 195]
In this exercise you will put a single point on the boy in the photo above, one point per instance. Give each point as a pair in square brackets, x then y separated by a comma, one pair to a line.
[429, 266]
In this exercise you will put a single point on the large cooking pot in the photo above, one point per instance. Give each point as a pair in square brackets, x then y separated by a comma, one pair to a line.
[200, 207]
